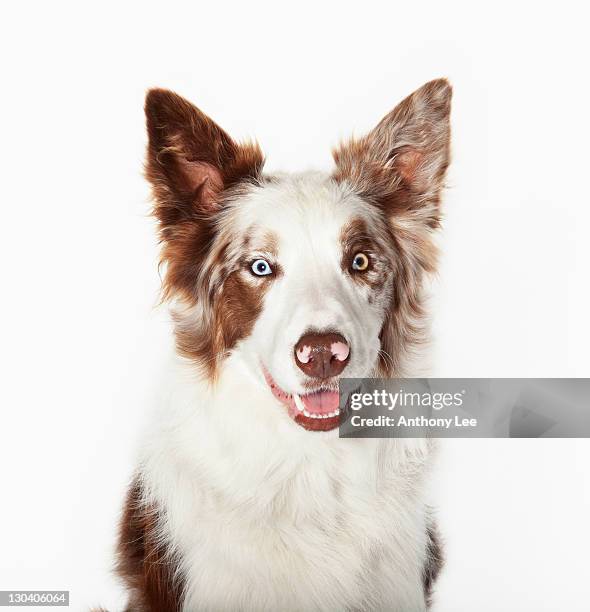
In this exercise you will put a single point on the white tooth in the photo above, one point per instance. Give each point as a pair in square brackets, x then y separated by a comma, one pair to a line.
[315, 416]
[325, 416]
[298, 402]
[306, 413]
[337, 412]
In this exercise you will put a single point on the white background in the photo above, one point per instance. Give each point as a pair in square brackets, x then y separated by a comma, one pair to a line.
[82, 340]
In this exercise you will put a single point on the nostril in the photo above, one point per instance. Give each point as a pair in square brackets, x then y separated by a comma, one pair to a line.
[303, 353]
[340, 351]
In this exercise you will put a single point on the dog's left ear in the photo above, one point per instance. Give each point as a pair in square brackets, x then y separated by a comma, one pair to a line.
[401, 164]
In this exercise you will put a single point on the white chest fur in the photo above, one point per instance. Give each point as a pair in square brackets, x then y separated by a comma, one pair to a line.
[264, 515]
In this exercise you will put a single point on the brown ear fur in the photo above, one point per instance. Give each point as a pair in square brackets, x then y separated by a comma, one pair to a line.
[190, 159]
[190, 163]
[401, 164]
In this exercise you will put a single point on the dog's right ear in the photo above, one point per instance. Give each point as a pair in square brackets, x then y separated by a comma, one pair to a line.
[191, 160]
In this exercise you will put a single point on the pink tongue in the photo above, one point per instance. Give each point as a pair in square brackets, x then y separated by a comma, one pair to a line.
[321, 402]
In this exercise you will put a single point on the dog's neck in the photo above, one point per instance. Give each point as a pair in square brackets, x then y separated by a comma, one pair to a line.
[229, 432]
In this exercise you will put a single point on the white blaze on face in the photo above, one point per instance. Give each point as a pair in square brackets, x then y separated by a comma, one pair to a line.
[306, 215]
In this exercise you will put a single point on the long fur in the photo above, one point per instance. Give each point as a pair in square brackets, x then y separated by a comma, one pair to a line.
[234, 506]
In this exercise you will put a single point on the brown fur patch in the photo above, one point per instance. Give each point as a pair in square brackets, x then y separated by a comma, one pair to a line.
[397, 257]
[227, 302]
[355, 238]
[191, 164]
[144, 563]
[190, 159]
[434, 563]
[399, 167]
[195, 168]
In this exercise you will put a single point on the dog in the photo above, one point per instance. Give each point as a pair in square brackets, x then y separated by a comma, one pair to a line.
[245, 498]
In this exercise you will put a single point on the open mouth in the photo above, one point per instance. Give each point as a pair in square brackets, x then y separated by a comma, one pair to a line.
[315, 411]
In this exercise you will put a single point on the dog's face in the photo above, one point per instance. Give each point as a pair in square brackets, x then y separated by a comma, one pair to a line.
[318, 263]
[308, 277]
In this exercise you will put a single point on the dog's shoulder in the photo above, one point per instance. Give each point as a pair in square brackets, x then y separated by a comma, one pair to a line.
[144, 561]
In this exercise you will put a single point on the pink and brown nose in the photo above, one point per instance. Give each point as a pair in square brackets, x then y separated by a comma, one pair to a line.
[322, 355]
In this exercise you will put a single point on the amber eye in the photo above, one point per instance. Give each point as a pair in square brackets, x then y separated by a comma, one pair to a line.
[360, 262]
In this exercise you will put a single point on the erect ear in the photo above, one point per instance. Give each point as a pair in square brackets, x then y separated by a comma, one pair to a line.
[401, 163]
[190, 159]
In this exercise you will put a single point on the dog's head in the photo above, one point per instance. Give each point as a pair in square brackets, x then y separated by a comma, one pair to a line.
[308, 277]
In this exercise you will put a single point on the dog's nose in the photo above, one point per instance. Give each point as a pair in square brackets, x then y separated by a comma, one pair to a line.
[322, 355]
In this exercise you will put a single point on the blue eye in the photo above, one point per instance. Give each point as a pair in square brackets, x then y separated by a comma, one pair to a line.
[261, 267]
